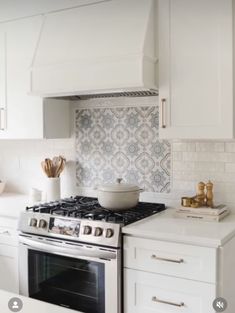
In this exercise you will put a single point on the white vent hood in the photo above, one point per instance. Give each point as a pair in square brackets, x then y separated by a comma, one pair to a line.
[106, 47]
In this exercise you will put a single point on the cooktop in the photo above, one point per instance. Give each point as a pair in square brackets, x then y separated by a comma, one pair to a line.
[89, 208]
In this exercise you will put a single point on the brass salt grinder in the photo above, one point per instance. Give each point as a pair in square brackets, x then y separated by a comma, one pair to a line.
[201, 196]
[209, 194]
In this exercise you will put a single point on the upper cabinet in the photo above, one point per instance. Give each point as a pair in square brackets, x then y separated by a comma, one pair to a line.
[15, 9]
[21, 115]
[196, 69]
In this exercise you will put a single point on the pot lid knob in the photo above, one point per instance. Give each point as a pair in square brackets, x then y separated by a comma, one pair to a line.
[119, 180]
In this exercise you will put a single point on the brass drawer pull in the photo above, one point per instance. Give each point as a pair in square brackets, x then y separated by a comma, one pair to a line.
[166, 259]
[155, 299]
[163, 104]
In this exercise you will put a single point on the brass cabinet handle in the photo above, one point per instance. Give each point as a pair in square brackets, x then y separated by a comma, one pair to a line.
[155, 299]
[166, 259]
[2, 119]
[163, 107]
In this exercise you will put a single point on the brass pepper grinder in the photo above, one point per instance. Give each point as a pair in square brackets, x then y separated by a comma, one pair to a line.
[201, 196]
[209, 194]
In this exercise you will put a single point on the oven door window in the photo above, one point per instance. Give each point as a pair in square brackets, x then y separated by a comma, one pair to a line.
[74, 283]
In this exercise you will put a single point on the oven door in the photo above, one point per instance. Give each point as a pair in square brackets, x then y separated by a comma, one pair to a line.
[85, 278]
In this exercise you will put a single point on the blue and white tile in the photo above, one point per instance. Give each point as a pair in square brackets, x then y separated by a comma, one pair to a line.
[122, 142]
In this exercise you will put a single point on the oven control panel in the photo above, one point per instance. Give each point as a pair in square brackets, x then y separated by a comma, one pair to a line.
[97, 232]
[64, 226]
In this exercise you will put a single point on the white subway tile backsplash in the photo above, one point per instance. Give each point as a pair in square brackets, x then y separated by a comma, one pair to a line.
[199, 166]
[20, 162]
[230, 147]
[183, 146]
[210, 146]
[180, 185]
[208, 157]
[230, 167]
[177, 156]
[225, 187]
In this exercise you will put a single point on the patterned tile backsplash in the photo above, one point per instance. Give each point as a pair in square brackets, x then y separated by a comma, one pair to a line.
[121, 142]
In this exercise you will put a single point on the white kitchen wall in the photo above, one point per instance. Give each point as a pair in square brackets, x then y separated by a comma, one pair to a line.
[192, 161]
[201, 161]
[20, 163]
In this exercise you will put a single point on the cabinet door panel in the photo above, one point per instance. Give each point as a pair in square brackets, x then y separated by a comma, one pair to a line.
[23, 116]
[24, 112]
[2, 78]
[196, 68]
[152, 293]
[9, 280]
[168, 258]
[13, 9]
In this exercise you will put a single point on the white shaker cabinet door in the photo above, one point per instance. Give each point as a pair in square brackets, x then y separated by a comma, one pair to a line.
[9, 277]
[152, 293]
[23, 116]
[196, 69]
[15, 9]
[23, 112]
[2, 78]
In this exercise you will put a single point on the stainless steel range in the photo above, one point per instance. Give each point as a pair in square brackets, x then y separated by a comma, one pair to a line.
[70, 253]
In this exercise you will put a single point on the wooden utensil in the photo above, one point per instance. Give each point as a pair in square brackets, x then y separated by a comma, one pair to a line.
[44, 167]
[49, 167]
[54, 167]
[60, 167]
[55, 163]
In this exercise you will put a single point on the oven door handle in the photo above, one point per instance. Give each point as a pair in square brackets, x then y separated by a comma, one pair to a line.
[72, 251]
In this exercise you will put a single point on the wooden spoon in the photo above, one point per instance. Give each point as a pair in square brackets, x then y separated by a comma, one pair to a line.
[60, 167]
[44, 167]
[49, 167]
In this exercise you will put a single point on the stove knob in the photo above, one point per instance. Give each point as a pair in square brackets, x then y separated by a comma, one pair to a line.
[42, 224]
[109, 233]
[98, 231]
[33, 222]
[87, 230]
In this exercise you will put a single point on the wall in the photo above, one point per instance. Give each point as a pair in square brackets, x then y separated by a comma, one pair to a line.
[192, 162]
[201, 161]
[20, 163]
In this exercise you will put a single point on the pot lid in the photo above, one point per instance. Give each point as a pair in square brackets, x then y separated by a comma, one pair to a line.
[118, 187]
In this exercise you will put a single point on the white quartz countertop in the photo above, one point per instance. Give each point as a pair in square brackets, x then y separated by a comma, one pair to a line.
[12, 204]
[30, 305]
[164, 226]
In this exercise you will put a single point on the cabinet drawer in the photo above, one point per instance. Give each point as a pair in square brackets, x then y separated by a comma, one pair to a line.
[8, 236]
[173, 259]
[153, 293]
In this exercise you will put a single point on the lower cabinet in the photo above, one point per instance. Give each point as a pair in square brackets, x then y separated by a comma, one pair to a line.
[153, 293]
[169, 277]
[9, 276]
[9, 280]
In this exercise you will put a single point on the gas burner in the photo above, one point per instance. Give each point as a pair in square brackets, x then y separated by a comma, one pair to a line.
[89, 208]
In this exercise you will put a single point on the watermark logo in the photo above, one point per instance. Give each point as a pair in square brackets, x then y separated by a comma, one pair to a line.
[15, 304]
[220, 304]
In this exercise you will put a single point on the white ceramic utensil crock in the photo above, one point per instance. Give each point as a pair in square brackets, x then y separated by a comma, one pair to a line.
[53, 188]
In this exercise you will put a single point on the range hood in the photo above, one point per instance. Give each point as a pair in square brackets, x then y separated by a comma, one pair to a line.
[105, 47]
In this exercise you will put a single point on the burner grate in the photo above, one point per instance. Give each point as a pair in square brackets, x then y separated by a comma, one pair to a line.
[89, 208]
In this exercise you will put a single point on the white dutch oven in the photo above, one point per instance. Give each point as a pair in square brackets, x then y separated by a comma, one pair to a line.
[118, 196]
